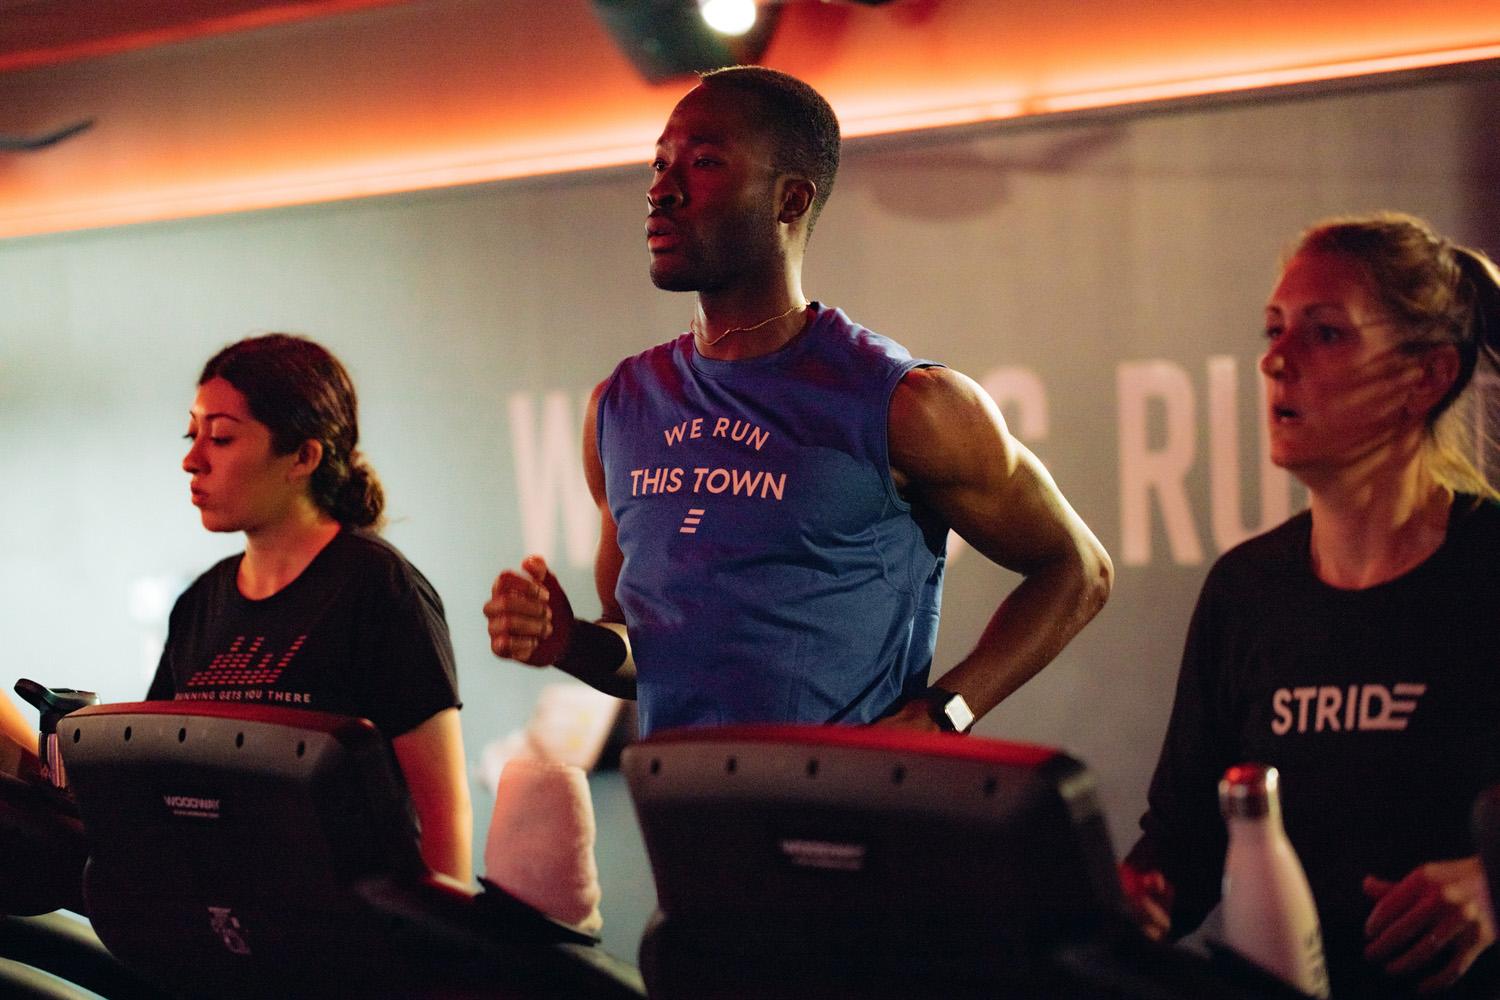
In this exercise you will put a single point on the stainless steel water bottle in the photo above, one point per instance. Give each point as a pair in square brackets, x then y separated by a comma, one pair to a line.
[1268, 910]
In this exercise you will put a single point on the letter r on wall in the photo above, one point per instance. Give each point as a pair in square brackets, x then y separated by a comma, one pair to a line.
[1144, 469]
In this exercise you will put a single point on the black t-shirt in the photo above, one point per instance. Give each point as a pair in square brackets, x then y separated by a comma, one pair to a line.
[1380, 707]
[359, 632]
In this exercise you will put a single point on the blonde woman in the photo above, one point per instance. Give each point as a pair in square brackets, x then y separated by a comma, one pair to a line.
[1357, 646]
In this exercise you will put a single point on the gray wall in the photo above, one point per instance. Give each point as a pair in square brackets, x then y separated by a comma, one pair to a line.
[1093, 274]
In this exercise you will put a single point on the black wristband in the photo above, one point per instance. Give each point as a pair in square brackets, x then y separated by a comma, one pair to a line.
[592, 650]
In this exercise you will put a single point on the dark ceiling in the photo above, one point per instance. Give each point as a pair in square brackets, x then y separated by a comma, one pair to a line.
[39, 32]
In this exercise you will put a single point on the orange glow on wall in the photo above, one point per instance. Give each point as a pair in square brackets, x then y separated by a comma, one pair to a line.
[407, 96]
[123, 25]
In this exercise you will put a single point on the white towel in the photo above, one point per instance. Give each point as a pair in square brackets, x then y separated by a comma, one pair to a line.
[570, 723]
[540, 847]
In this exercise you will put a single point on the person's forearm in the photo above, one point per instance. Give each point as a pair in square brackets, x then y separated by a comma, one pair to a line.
[432, 760]
[1031, 626]
[448, 840]
[14, 725]
[598, 653]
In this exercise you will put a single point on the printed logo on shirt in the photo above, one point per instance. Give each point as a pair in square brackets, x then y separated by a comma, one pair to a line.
[742, 430]
[1355, 708]
[702, 480]
[246, 672]
[746, 482]
[245, 665]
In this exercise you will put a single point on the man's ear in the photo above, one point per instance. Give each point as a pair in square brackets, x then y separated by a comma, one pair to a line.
[309, 455]
[797, 194]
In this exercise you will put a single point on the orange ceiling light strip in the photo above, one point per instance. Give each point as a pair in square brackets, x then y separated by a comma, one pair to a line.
[1263, 78]
[860, 120]
[399, 97]
[257, 16]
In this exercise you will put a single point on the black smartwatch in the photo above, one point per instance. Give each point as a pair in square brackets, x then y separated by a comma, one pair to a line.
[951, 713]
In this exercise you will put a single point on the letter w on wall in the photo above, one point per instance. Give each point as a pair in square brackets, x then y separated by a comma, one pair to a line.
[549, 478]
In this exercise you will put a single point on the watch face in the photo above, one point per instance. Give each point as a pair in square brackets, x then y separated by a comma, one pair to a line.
[958, 713]
[949, 710]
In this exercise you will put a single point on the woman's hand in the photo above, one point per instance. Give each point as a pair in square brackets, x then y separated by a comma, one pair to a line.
[1149, 896]
[1440, 910]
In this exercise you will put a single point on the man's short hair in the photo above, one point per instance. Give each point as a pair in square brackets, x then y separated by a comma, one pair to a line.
[803, 129]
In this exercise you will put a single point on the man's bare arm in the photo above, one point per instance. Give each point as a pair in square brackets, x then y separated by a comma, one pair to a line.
[531, 619]
[950, 451]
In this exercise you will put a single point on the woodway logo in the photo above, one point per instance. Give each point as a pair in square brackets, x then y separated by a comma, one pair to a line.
[804, 853]
[192, 806]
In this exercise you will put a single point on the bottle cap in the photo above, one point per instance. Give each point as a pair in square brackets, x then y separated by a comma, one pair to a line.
[1248, 791]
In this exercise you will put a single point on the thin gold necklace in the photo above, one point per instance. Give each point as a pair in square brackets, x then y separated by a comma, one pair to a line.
[704, 341]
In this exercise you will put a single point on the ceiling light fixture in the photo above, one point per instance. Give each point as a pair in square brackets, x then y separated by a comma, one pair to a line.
[729, 17]
[666, 39]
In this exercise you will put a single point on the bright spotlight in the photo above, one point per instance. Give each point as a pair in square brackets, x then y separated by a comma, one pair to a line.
[729, 17]
[667, 39]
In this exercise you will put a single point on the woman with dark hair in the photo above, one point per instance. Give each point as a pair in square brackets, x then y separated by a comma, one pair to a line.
[318, 612]
[1355, 647]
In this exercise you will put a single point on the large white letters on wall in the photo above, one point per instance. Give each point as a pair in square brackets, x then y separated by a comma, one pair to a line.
[1154, 463]
[549, 477]
[1162, 469]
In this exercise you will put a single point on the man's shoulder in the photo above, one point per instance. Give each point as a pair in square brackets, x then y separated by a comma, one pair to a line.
[657, 353]
[834, 328]
[931, 399]
[662, 362]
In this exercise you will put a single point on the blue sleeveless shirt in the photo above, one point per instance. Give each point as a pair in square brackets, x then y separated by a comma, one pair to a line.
[771, 572]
